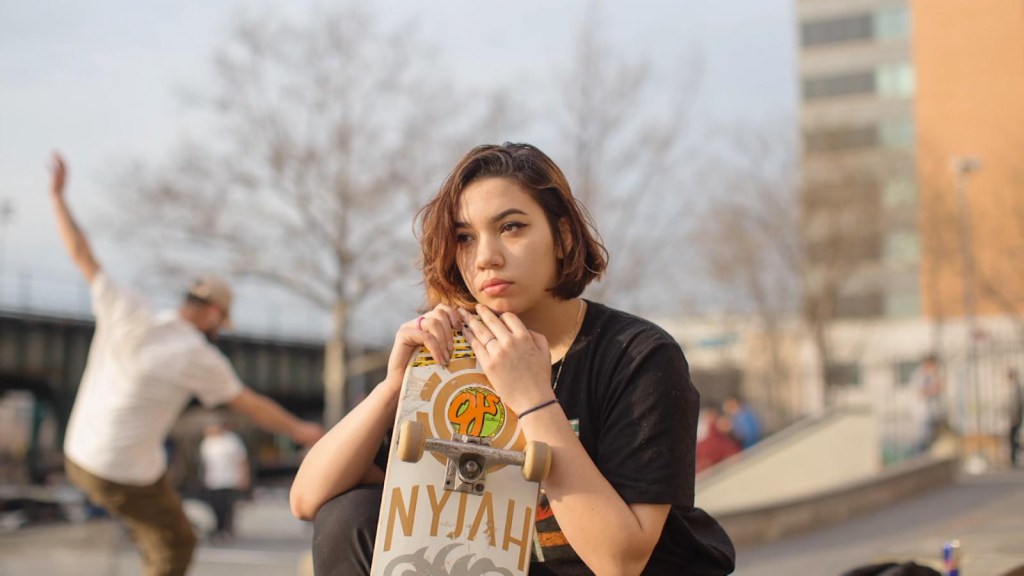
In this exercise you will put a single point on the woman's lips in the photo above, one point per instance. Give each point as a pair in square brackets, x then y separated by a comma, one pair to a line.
[495, 287]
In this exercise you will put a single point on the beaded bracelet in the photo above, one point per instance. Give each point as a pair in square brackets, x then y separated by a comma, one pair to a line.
[538, 407]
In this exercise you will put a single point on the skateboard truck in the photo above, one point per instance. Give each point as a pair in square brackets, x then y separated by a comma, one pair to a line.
[470, 457]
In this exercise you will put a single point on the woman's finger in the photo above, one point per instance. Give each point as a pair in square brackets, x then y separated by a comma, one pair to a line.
[437, 335]
[442, 321]
[480, 330]
[454, 320]
[474, 341]
[436, 348]
[513, 323]
[494, 324]
[454, 324]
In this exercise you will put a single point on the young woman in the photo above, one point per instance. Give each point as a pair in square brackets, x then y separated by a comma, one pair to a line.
[507, 251]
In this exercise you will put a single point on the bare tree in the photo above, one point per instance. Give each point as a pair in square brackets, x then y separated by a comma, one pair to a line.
[749, 243]
[842, 234]
[325, 136]
[777, 244]
[626, 136]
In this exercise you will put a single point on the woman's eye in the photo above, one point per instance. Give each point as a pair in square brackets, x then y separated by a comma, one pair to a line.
[512, 226]
[462, 238]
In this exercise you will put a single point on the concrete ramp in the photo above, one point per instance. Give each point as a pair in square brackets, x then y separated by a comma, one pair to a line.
[814, 456]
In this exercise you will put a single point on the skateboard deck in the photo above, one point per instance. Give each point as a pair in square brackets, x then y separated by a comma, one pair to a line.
[456, 501]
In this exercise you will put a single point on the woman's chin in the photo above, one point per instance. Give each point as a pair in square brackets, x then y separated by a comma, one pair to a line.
[500, 305]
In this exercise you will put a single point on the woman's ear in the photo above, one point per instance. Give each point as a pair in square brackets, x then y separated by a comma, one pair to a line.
[565, 238]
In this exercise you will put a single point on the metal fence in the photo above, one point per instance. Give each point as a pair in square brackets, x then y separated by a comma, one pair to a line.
[976, 400]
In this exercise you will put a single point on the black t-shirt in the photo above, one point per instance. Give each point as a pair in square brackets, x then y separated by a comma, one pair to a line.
[625, 387]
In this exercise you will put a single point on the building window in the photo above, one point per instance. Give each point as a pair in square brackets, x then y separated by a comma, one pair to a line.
[847, 252]
[884, 24]
[870, 305]
[905, 371]
[897, 134]
[843, 374]
[903, 305]
[836, 30]
[902, 248]
[898, 192]
[894, 134]
[895, 80]
[845, 138]
[892, 23]
[835, 85]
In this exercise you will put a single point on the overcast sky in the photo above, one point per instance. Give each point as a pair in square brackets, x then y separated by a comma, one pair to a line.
[102, 81]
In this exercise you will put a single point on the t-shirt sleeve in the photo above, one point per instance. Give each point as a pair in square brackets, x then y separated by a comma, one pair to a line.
[648, 435]
[212, 378]
[380, 459]
[112, 304]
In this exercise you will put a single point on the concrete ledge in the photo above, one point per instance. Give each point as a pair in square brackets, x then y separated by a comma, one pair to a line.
[796, 462]
[770, 523]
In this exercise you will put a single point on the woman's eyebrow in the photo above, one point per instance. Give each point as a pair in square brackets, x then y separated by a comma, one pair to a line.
[506, 213]
[496, 218]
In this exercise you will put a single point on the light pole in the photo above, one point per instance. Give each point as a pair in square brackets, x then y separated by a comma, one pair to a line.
[6, 215]
[963, 168]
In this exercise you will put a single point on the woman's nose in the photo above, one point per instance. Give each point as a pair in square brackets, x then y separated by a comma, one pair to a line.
[488, 253]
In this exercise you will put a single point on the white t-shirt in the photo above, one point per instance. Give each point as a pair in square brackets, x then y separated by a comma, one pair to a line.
[142, 370]
[223, 457]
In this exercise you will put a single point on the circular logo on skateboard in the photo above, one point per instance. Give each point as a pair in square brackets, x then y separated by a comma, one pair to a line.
[476, 411]
[464, 403]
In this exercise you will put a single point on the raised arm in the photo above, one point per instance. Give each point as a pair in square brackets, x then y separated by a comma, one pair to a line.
[70, 234]
[272, 417]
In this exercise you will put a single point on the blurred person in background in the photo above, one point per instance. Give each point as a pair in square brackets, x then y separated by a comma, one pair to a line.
[1016, 414]
[927, 382]
[715, 441]
[746, 427]
[225, 473]
[143, 368]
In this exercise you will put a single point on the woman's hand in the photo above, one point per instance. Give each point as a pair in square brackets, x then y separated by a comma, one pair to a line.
[435, 330]
[58, 174]
[516, 360]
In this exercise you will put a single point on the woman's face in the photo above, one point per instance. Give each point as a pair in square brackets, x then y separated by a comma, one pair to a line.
[506, 252]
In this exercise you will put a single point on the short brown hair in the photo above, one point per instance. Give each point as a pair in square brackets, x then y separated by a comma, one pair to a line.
[584, 259]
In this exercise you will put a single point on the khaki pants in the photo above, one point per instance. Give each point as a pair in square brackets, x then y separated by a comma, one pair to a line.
[153, 515]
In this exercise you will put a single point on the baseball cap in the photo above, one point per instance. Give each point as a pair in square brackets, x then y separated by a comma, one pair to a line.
[216, 292]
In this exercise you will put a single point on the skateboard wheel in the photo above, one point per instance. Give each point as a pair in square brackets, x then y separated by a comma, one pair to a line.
[411, 440]
[537, 461]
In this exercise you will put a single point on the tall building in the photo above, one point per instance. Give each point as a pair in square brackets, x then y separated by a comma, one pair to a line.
[913, 124]
[969, 110]
[860, 187]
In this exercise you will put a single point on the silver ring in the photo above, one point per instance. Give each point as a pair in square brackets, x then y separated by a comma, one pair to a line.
[493, 338]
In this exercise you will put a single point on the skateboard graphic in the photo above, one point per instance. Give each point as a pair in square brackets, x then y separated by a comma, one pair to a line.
[461, 486]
